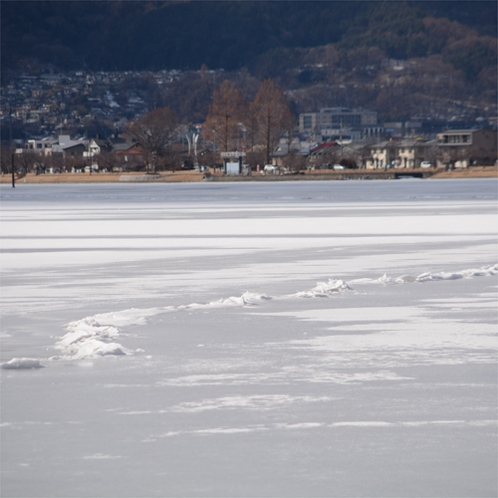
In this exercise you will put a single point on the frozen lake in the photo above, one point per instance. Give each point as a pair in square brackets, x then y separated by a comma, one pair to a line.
[317, 339]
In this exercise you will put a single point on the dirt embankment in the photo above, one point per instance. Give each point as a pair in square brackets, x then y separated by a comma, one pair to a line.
[177, 176]
[473, 172]
[193, 176]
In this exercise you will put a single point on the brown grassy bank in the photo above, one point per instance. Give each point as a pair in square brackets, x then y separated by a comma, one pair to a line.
[193, 176]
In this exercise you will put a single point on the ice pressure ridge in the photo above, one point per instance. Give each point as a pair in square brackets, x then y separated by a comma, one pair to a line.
[97, 335]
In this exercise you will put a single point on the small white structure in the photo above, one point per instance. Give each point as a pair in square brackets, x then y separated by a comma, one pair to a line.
[232, 168]
[233, 162]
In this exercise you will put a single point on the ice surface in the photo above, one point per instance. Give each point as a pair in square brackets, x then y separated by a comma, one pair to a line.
[292, 339]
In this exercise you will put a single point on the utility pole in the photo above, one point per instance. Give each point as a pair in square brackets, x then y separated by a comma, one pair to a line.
[12, 151]
[13, 174]
[88, 152]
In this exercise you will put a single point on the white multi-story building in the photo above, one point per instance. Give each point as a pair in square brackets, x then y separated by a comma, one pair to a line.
[339, 119]
[61, 145]
[43, 146]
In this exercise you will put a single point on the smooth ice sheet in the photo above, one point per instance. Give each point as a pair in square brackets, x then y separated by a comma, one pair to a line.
[289, 339]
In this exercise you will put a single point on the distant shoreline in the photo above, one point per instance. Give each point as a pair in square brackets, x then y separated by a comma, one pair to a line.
[193, 176]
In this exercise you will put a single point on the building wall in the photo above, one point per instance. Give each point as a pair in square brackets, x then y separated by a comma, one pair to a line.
[401, 155]
[381, 156]
[43, 147]
[335, 117]
[465, 146]
[481, 139]
[486, 140]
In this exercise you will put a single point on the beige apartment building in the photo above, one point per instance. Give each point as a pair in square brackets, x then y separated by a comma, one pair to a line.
[400, 154]
[453, 148]
[463, 148]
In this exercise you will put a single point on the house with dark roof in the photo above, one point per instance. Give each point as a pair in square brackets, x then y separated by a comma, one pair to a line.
[129, 156]
[69, 148]
[321, 154]
[99, 145]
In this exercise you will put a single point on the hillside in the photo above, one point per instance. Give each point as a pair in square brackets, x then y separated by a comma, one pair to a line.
[121, 35]
[435, 59]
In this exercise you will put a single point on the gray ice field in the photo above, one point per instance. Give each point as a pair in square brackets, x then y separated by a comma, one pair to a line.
[299, 339]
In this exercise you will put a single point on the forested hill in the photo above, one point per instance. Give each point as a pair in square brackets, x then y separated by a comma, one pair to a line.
[128, 35]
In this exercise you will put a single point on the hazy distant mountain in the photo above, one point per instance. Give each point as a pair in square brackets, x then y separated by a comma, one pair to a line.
[127, 35]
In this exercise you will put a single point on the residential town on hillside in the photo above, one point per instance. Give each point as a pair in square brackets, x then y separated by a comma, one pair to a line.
[47, 103]
[79, 121]
[50, 102]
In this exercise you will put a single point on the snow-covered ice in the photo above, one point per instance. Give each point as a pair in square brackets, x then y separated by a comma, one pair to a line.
[250, 339]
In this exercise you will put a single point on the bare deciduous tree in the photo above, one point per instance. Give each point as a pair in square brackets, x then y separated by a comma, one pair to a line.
[223, 123]
[153, 132]
[106, 160]
[6, 159]
[271, 112]
[26, 161]
[294, 161]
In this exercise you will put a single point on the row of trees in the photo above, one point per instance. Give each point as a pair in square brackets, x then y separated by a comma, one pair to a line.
[231, 124]
[30, 162]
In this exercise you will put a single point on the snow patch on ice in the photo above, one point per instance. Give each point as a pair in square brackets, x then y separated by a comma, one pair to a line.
[22, 364]
[125, 318]
[217, 430]
[368, 423]
[246, 299]
[301, 425]
[352, 424]
[172, 433]
[324, 289]
[485, 271]
[101, 456]
[255, 402]
[88, 338]
[215, 379]
[318, 374]
[228, 430]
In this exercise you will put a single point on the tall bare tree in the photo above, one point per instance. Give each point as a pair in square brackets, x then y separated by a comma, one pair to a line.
[271, 113]
[26, 161]
[6, 159]
[153, 132]
[106, 160]
[223, 123]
